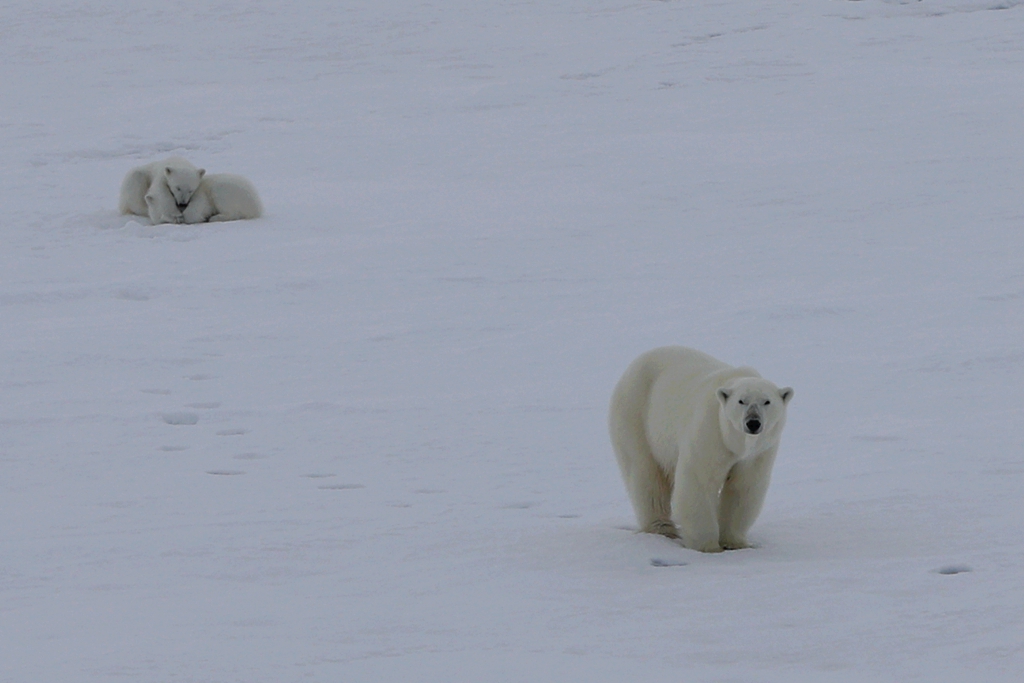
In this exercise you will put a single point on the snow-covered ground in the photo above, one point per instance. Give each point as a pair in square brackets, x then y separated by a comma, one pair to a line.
[363, 438]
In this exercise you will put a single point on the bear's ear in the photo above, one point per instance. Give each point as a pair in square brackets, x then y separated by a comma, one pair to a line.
[201, 172]
[723, 396]
[786, 393]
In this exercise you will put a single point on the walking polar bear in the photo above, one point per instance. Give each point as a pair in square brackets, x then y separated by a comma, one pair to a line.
[696, 440]
[160, 190]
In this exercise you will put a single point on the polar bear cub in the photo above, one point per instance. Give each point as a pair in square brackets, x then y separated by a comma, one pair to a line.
[223, 197]
[160, 189]
[696, 440]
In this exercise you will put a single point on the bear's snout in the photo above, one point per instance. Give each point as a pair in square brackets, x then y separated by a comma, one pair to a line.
[181, 207]
[753, 425]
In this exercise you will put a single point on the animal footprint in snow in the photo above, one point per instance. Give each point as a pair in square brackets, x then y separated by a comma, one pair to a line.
[134, 294]
[225, 473]
[181, 418]
[340, 487]
[660, 562]
[517, 506]
[249, 456]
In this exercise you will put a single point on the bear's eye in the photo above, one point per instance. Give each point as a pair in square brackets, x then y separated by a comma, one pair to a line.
[767, 403]
[742, 402]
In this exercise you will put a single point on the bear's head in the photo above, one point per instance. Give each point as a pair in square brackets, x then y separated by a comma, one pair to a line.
[753, 406]
[183, 181]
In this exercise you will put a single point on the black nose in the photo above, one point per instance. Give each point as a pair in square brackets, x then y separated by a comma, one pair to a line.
[181, 207]
[753, 426]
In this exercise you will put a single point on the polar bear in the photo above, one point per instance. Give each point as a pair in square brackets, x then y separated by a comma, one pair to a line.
[223, 197]
[160, 189]
[696, 440]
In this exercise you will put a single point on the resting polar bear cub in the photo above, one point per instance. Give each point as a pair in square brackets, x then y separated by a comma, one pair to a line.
[160, 189]
[696, 440]
[223, 197]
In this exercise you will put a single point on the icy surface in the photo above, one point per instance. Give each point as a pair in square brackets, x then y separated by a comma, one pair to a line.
[363, 438]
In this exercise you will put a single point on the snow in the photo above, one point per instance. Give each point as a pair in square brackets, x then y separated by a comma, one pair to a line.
[363, 438]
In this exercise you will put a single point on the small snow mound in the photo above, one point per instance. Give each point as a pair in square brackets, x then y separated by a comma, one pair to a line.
[953, 569]
[106, 219]
[162, 232]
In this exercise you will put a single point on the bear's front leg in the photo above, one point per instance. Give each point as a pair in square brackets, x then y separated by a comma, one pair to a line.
[166, 218]
[742, 498]
[695, 509]
[162, 209]
[197, 211]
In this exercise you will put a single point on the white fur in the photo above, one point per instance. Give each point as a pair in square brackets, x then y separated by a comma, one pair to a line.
[223, 197]
[680, 422]
[160, 204]
[160, 189]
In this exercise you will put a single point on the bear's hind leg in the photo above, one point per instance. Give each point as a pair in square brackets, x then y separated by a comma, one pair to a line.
[650, 491]
[649, 488]
[133, 193]
[652, 510]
